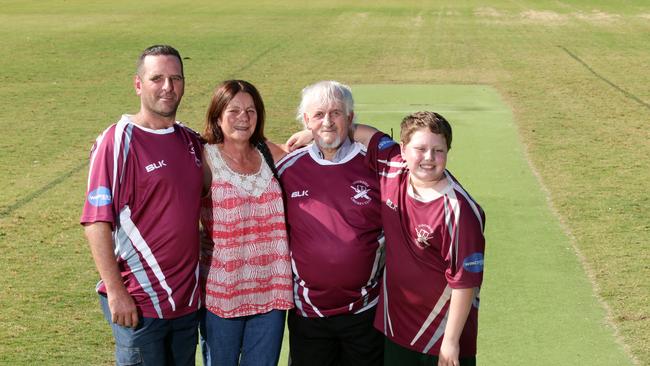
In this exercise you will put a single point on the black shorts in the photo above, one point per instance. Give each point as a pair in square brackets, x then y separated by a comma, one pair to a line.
[342, 340]
[400, 356]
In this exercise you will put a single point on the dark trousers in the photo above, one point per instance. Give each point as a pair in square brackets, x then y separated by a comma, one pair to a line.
[342, 340]
[399, 356]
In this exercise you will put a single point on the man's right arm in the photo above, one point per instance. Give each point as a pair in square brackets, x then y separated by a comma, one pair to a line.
[121, 304]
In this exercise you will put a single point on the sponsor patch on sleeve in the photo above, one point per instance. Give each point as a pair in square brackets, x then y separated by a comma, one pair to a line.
[385, 142]
[473, 263]
[100, 197]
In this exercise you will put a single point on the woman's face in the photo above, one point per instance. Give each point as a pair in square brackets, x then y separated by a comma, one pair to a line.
[238, 119]
[426, 157]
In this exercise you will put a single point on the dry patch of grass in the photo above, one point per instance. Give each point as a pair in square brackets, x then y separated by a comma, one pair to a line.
[598, 17]
[487, 12]
[544, 16]
[548, 17]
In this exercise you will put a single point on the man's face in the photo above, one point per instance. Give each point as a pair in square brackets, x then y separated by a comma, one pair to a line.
[160, 85]
[329, 124]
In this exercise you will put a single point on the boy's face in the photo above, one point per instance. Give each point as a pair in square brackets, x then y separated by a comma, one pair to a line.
[426, 157]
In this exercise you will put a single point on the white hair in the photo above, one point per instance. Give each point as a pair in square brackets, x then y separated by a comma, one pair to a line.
[325, 93]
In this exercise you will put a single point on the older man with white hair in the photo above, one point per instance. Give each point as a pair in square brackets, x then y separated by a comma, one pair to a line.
[336, 238]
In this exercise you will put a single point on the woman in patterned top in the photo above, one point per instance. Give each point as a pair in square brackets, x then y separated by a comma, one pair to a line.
[245, 263]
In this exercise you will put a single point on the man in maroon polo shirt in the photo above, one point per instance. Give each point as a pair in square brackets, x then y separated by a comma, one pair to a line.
[335, 236]
[141, 219]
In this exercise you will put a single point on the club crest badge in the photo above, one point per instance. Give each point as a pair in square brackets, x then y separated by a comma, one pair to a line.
[424, 234]
[197, 161]
[360, 193]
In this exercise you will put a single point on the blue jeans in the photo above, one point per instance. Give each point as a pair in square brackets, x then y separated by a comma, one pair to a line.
[253, 340]
[154, 341]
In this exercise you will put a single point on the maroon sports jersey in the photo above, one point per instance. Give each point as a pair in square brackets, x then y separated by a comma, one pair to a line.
[431, 247]
[335, 234]
[147, 184]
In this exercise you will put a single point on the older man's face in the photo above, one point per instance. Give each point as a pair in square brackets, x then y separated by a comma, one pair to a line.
[329, 124]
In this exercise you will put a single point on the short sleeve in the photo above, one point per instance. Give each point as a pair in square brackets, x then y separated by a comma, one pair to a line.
[465, 269]
[98, 205]
[381, 150]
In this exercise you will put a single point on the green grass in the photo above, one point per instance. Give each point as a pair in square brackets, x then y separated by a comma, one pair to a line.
[66, 74]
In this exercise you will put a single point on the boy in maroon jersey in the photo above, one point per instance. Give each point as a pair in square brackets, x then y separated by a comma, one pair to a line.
[428, 306]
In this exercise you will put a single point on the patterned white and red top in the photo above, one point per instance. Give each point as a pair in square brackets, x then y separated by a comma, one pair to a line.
[246, 267]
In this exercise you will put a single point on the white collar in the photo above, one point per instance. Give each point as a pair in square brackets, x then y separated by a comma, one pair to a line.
[345, 152]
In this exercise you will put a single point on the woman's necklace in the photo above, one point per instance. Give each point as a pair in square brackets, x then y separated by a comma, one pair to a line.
[245, 165]
[224, 153]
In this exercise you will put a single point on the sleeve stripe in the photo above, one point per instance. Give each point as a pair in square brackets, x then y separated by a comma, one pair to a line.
[93, 155]
[290, 159]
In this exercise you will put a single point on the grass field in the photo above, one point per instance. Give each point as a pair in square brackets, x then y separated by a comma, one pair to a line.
[574, 75]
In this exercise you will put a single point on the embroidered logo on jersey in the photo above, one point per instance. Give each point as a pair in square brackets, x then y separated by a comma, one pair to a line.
[197, 161]
[100, 197]
[473, 263]
[151, 167]
[360, 192]
[424, 233]
[385, 142]
[391, 205]
[298, 194]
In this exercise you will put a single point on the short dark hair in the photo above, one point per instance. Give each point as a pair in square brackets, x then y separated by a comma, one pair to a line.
[223, 94]
[425, 119]
[158, 50]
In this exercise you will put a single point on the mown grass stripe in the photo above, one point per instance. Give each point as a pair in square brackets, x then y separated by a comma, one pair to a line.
[30, 197]
[253, 61]
[625, 92]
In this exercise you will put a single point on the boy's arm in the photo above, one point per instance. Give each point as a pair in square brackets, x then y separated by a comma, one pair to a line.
[363, 133]
[459, 307]
[298, 140]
